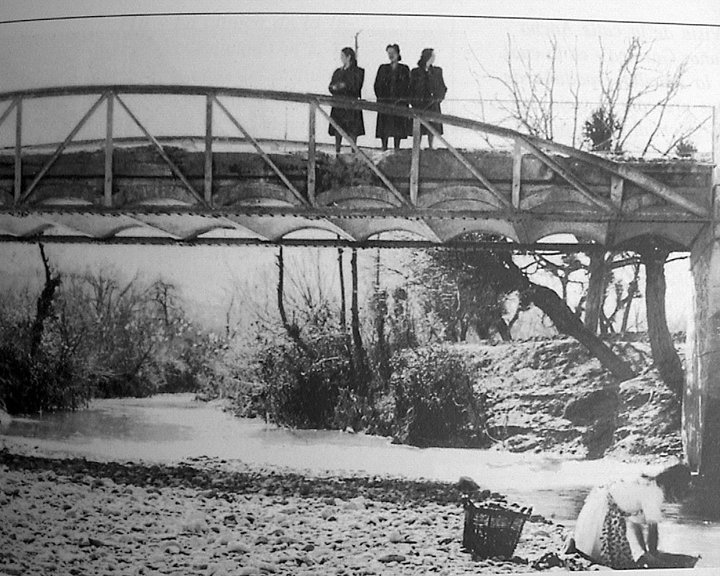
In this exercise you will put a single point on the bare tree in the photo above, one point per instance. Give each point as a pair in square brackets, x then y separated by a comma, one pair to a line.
[624, 88]
[44, 303]
[633, 94]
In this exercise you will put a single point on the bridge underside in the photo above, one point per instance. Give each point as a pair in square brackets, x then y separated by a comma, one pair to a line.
[523, 200]
[251, 199]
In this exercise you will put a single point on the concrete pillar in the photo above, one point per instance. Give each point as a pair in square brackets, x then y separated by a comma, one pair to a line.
[701, 405]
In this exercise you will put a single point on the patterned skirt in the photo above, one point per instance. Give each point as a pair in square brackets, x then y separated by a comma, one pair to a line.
[615, 549]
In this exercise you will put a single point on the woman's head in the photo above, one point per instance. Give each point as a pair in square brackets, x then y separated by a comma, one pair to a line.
[393, 52]
[347, 56]
[675, 482]
[427, 57]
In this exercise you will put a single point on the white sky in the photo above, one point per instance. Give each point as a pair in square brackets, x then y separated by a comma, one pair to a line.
[298, 51]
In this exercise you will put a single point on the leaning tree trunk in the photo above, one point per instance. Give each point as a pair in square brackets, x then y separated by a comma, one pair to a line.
[568, 323]
[564, 319]
[665, 356]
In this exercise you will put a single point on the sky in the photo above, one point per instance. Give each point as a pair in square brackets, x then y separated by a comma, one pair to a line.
[296, 48]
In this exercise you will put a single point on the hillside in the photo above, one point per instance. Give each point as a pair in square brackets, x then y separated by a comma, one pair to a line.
[551, 396]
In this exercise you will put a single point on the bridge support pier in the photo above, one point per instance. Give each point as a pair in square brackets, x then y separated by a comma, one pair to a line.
[701, 406]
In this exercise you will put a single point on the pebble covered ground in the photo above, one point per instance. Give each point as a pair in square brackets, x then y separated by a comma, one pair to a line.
[75, 516]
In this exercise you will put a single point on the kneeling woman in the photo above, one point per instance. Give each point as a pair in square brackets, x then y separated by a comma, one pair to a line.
[601, 532]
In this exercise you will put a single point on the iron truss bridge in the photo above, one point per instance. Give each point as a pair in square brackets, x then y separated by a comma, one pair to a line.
[162, 186]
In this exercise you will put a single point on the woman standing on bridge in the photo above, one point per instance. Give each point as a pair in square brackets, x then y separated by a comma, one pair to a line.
[347, 81]
[392, 86]
[427, 90]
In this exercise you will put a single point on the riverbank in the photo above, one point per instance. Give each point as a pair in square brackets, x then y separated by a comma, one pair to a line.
[552, 397]
[205, 516]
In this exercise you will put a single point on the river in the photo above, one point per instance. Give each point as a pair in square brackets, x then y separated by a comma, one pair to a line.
[170, 428]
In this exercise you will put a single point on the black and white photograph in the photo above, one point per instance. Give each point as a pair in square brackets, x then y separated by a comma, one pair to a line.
[359, 288]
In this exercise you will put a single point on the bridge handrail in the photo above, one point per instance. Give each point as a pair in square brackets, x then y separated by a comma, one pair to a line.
[533, 143]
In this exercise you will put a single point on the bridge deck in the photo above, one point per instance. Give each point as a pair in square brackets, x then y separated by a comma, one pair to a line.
[250, 203]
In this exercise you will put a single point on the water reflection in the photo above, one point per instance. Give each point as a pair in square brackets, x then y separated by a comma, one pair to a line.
[170, 428]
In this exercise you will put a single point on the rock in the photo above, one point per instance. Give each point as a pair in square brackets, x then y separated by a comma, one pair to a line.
[355, 504]
[590, 406]
[194, 525]
[238, 547]
[97, 542]
[5, 418]
[200, 562]
[467, 485]
[216, 569]
[249, 571]
[391, 558]
[395, 537]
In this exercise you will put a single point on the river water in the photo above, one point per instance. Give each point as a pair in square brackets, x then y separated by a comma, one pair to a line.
[170, 428]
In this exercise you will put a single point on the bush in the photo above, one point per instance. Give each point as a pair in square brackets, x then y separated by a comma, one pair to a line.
[303, 387]
[435, 404]
[45, 383]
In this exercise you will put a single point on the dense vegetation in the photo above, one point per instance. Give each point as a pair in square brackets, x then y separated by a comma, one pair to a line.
[93, 336]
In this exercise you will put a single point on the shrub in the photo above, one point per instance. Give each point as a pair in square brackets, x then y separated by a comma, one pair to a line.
[435, 404]
[303, 387]
[49, 381]
[685, 149]
[600, 129]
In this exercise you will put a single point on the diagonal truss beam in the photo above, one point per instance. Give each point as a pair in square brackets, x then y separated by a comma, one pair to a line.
[9, 109]
[175, 169]
[470, 168]
[365, 157]
[262, 153]
[59, 150]
[570, 178]
[633, 175]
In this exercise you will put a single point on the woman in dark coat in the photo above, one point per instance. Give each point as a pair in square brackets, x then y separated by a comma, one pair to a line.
[392, 86]
[347, 81]
[427, 89]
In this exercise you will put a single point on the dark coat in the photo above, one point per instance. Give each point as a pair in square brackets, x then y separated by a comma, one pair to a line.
[347, 82]
[392, 86]
[427, 90]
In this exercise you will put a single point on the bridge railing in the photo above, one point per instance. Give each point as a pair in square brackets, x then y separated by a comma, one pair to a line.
[213, 114]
